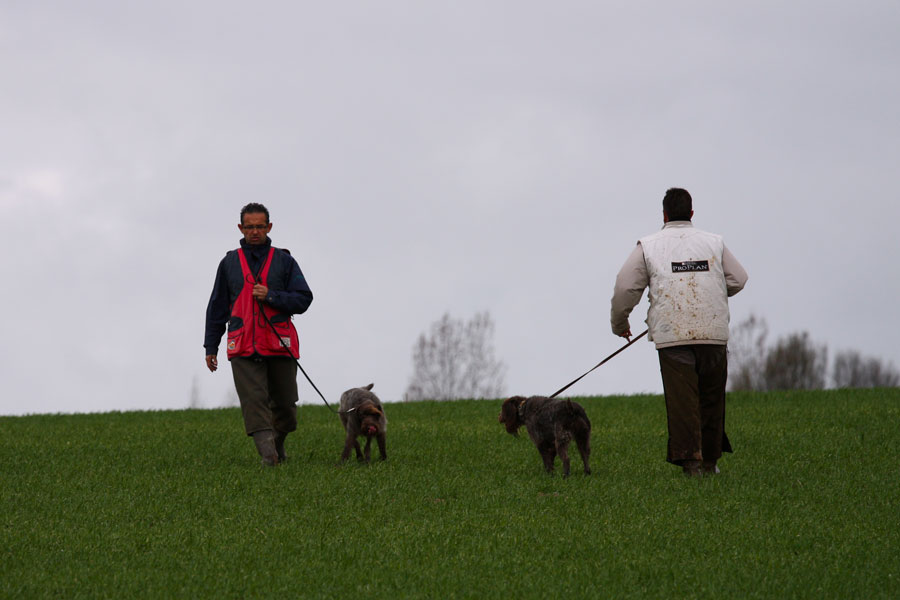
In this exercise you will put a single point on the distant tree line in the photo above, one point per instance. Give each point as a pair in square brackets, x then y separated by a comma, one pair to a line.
[795, 362]
[455, 359]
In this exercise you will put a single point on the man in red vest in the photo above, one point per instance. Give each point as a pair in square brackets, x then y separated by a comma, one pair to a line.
[257, 289]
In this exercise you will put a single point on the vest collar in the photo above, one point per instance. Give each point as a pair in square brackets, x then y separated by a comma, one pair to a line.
[521, 409]
[256, 247]
[678, 224]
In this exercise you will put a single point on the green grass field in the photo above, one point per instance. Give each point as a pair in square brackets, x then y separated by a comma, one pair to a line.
[176, 505]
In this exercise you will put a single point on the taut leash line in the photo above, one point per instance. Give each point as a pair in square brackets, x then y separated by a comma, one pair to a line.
[633, 340]
[296, 359]
[255, 280]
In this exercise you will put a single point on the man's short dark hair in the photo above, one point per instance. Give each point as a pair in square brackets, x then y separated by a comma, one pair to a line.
[254, 207]
[677, 204]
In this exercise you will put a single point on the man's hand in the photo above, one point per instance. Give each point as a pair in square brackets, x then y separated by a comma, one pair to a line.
[212, 363]
[626, 334]
[260, 292]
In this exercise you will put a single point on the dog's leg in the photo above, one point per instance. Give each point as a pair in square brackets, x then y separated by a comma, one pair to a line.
[548, 453]
[381, 445]
[348, 444]
[359, 455]
[562, 448]
[368, 450]
[584, 448]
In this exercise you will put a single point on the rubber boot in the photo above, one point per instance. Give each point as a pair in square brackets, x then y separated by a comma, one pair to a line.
[691, 468]
[265, 445]
[710, 468]
[279, 445]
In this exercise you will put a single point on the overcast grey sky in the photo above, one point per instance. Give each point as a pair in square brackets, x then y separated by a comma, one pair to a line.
[423, 157]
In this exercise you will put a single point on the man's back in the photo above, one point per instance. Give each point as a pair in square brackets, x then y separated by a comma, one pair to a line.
[688, 297]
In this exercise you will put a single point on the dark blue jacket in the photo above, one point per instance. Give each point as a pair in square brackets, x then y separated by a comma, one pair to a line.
[288, 291]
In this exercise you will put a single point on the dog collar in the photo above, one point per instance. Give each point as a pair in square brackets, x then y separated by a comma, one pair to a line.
[521, 409]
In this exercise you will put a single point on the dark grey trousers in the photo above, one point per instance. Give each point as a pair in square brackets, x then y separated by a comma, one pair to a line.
[694, 379]
[267, 389]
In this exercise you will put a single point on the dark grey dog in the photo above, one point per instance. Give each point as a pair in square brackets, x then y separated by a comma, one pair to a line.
[362, 414]
[551, 425]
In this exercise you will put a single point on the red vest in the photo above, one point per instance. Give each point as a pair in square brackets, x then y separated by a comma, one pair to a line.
[248, 330]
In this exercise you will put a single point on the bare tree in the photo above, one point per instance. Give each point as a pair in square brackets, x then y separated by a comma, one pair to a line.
[851, 370]
[795, 363]
[747, 354]
[456, 361]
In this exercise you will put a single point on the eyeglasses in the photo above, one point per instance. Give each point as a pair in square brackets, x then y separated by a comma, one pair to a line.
[252, 227]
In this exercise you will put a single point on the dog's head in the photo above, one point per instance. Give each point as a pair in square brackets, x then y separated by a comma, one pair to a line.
[371, 417]
[509, 414]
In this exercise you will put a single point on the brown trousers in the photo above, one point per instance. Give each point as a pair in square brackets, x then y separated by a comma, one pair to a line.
[694, 379]
[267, 389]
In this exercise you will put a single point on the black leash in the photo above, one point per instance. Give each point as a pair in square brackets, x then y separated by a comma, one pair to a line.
[296, 359]
[633, 340]
[288, 350]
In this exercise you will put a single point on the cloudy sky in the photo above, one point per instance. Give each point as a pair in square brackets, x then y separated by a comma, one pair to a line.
[421, 158]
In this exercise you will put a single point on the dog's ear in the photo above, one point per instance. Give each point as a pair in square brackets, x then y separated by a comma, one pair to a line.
[369, 387]
[509, 415]
[505, 409]
[516, 401]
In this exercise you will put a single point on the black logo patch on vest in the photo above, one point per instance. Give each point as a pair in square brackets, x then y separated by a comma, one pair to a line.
[690, 266]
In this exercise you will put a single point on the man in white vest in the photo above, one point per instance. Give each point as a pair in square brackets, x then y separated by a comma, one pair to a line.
[690, 274]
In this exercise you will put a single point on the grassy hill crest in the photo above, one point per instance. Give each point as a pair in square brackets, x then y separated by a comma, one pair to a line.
[174, 504]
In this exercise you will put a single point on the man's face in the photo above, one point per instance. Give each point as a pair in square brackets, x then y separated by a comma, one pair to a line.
[255, 228]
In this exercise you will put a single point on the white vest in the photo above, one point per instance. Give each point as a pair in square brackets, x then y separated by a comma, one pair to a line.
[688, 297]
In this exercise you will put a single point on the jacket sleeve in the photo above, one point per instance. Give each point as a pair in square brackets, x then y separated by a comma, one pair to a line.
[217, 312]
[296, 296]
[735, 275]
[630, 284]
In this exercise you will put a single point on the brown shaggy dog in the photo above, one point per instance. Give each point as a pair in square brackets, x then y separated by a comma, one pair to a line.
[551, 425]
[362, 414]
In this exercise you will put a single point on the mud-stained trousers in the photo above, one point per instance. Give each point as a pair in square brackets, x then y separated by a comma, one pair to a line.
[267, 389]
[694, 379]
